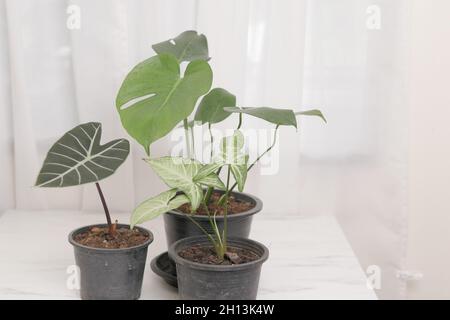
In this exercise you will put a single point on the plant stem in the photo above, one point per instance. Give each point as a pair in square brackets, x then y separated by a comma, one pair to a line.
[105, 207]
[187, 138]
[203, 230]
[240, 121]
[225, 213]
[211, 222]
[211, 141]
[210, 189]
[191, 129]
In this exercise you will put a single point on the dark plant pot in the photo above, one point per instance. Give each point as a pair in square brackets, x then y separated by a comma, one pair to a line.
[179, 226]
[212, 282]
[110, 274]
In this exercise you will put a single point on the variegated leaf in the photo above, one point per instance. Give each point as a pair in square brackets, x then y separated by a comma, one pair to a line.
[179, 173]
[153, 207]
[78, 158]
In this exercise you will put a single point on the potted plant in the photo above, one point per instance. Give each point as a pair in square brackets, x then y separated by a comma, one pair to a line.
[111, 256]
[152, 101]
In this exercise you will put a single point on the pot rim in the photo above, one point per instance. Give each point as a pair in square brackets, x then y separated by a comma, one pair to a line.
[114, 250]
[257, 208]
[234, 241]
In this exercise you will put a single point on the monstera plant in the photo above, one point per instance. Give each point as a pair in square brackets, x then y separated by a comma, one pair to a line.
[154, 99]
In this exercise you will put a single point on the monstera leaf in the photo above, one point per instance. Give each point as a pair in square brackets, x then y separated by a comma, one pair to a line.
[281, 117]
[210, 109]
[231, 154]
[179, 173]
[312, 113]
[188, 46]
[153, 207]
[78, 158]
[154, 98]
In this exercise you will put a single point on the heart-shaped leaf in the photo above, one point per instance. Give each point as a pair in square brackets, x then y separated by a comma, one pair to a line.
[179, 173]
[210, 109]
[314, 113]
[281, 117]
[78, 158]
[188, 46]
[239, 172]
[154, 98]
[153, 207]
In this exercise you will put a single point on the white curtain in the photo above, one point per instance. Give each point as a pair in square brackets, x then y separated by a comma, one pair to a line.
[332, 55]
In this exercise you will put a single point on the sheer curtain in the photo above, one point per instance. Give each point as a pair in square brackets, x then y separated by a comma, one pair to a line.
[299, 54]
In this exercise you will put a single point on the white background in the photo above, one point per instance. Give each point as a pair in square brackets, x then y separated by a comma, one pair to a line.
[380, 165]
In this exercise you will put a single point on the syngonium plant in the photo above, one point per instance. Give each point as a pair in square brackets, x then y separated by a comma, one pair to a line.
[155, 98]
[78, 158]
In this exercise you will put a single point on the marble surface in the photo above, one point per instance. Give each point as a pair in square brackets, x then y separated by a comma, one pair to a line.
[309, 257]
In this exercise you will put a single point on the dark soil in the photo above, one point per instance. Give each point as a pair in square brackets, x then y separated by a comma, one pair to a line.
[207, 255]
[234, 206]
[122, 238]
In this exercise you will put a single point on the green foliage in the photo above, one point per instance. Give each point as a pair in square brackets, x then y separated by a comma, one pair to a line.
[154, 98]
[188, 46]
[179, 173]
[313, 113]
[211, 107]
[78, 158]
[281, 117]
[156, 206]
[232, 155]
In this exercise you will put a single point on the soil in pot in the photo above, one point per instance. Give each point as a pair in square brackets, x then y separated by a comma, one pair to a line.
[99, 237]
[234, 206]
[203, 281]
[111, 266]
[207, 255]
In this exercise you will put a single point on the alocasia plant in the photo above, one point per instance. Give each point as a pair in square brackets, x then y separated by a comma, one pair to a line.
[78, 158]
[155, 98]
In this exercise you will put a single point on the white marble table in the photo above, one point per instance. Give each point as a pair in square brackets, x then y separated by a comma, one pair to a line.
[309, 257]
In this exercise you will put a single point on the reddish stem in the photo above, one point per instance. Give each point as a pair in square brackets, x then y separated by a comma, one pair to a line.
[105, 208]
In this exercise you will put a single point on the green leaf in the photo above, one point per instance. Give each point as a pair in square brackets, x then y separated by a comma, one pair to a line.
[231, 147]
[281, 117]
[314, 113]
[78, 158]
[240, 173]
[211, 107]
[188, 46]
[233, 155]
[153, 207]
[179, 173]
[154, 98]
[207, 170]
[212, 180]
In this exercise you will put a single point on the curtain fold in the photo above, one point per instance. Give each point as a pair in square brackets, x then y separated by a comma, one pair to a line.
[7, 181]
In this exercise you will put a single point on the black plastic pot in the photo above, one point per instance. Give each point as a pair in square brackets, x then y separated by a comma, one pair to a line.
[213, 282]
[179, 226]
[110, 274]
